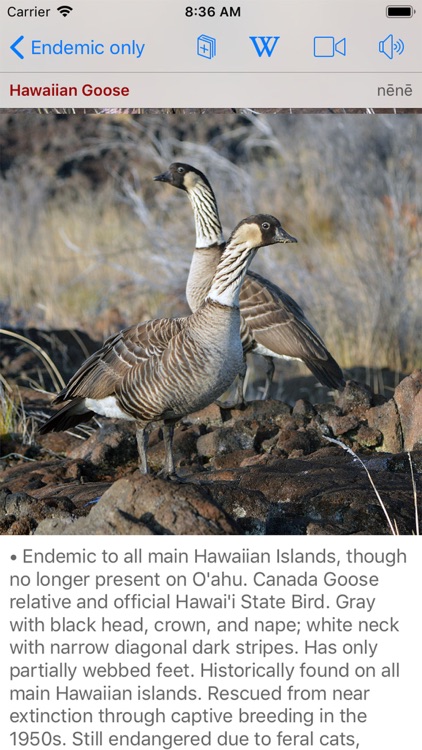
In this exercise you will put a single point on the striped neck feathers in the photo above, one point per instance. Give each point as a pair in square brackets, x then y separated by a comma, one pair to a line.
[230, 273]
[207, 221]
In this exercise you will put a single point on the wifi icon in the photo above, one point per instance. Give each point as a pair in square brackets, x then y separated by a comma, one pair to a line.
[65, 10]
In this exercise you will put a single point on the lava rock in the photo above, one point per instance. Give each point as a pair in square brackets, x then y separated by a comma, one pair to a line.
[367, 437]
[225, 440]
[408, 399]
[304, 408]
[355, 398]
[148, 506]
[210, 416]
[386, 420]
[341, 425]
[112, 445]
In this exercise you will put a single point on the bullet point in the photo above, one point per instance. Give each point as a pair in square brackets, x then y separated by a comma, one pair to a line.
[13, 557]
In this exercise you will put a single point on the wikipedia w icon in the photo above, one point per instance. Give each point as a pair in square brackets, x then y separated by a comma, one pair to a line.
[265, 44]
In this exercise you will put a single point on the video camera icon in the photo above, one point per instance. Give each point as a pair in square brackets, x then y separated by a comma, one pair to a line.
[326, 46]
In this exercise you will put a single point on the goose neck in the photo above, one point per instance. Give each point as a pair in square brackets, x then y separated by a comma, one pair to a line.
[230, 273]
[207, 221]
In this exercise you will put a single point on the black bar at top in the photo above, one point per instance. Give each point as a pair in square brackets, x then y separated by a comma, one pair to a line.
[399, 11]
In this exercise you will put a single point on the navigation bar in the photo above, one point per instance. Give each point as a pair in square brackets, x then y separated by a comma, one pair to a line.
[155, 48]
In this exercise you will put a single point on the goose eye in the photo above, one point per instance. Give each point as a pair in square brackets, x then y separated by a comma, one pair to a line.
[180, 169]
[265, 225]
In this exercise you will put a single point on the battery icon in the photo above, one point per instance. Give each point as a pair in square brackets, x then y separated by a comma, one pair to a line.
[400, 11]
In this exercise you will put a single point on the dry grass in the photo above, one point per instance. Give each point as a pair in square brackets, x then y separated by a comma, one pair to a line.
[48, 363]
[392, 523]
[347, 187]
[415, 495]
[13, 419]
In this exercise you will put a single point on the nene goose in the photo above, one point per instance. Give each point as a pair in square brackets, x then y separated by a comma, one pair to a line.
[272, 323]
[163, 369]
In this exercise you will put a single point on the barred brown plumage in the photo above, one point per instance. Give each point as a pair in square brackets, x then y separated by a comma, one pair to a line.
[272, 323]
[163, 369]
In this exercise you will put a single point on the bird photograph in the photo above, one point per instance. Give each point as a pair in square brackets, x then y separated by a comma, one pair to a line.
[167, 368]
[210, 323]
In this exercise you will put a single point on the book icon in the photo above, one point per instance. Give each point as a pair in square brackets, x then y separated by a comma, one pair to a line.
[206, 46]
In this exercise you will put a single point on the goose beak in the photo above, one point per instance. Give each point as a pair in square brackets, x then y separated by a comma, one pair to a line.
[165, 177]
[282, 236]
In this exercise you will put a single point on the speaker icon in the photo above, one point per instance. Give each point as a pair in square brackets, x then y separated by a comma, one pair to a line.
[390, 46]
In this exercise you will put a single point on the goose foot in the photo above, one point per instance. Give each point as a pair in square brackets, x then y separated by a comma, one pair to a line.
[173, 477]
[231, 404]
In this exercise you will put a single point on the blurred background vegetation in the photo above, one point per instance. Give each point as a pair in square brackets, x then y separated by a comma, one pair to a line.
[89, 241]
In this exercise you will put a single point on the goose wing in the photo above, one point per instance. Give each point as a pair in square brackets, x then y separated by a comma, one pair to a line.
[278, 324]
[276, 321]
[162, 386]
[100, 374]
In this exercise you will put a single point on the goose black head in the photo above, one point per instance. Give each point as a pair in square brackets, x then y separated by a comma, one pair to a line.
[183, 176]
[261, 230]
